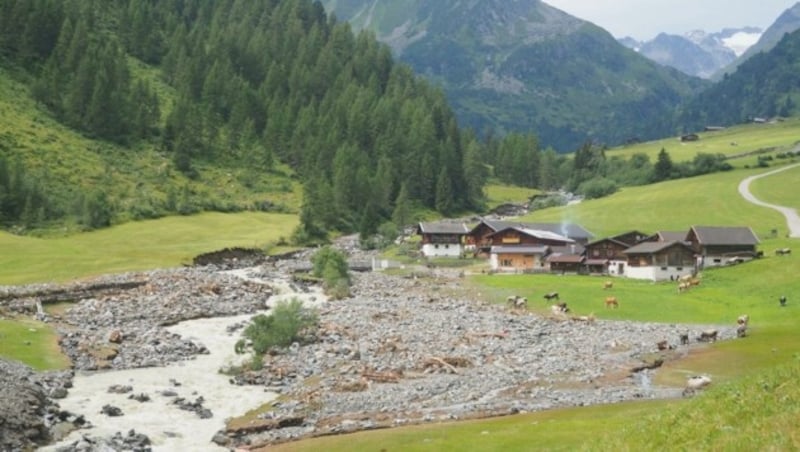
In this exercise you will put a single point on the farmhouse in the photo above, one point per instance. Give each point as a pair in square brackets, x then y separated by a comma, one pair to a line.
[658, 261]
[479, 238]
[522, 249]
[717, 246]
[607, 256]
[442, 239]
[566, 259]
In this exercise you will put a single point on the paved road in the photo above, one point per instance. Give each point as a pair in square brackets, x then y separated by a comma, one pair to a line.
[792, 219]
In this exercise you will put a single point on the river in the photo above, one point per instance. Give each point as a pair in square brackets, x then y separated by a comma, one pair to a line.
[169, 427]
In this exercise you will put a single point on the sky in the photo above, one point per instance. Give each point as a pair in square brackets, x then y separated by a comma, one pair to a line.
[644, 19]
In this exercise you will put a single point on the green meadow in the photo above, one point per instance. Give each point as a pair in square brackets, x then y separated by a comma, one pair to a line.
[733, 141]
[142, 245]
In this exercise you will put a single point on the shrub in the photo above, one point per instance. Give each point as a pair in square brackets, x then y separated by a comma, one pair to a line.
[289, 322]
[597, 187]
[331, 266]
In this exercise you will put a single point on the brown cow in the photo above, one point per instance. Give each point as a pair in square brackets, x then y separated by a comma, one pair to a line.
[611, 302]
[608, 285]
[683, 287]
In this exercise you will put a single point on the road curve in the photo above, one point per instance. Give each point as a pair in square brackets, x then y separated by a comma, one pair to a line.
[792, 219]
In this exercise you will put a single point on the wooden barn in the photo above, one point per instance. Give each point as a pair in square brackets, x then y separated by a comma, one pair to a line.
[659, 261]
[717, 246]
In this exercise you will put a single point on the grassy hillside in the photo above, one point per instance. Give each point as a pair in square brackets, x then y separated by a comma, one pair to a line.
[780, 136]
[780, 188]
[166, 242]
[711, 200]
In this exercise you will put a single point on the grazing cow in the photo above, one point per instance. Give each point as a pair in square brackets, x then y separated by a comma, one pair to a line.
[560, 307]
[743, 320]
[685, 278]
[684, 339]
[683, 287]
[783, 251]
[663, 345]
[741, 330]
[608, 285]
[611, 302]
[694, 282]
[782, 299]
[516, 302]
[698, 382]
[708, 336]
[551, 296]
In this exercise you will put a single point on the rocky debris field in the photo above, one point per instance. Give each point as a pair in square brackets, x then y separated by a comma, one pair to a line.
[121, 329]
[27, 409]
[412, 350]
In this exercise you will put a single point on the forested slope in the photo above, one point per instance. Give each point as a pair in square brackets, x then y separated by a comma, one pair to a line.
[251, 85]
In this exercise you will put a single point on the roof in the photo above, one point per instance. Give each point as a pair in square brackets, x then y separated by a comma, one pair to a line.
[714, 235]
[572, 248]
[671, 236]
[565, 258]
[653, 247]
[539, 234]
[571, 230]
[443, 227]
[609, 239]
[519, 249]
[639, 236]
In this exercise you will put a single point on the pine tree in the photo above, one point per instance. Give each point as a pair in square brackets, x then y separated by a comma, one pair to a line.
[401, 216]
[445, 202]
[663, 168]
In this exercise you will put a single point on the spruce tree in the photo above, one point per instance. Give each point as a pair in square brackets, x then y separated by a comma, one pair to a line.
[663, 168]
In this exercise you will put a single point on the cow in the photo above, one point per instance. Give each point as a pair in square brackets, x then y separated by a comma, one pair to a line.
[551, 296]
[608, 285]
[741, 330]
[743, 320]
[708, 336]
[782, 300]
[783, 251]
[684, 339]
[611, 302]
[698, 382]
[683, 287]
[516, 302]
[663, 345]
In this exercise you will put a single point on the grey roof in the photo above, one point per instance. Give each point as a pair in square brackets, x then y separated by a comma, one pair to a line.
[571, 230]
[519, 249]
[543, 234]
[671, 236]
[565, 258]
[653, 247]
[609, 239]
[715, 235]
[443, 227]
[575, 248]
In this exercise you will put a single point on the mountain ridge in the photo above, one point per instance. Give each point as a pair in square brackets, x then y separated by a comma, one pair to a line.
[527, 66]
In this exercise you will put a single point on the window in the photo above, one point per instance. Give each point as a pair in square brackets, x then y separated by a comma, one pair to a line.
[436, 246]
[506, 263]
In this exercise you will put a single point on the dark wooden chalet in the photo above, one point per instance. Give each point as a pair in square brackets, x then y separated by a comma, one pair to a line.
[659, 261]
[717, 246]
[600, 254]
[667, 236]
[442, 239]
[631, 237]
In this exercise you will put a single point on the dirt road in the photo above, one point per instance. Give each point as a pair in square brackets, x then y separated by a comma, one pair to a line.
[792, 219]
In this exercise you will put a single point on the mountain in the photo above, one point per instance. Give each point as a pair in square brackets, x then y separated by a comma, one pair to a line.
[787, 22]
[525, 66]
[764, 86]
[696, 53]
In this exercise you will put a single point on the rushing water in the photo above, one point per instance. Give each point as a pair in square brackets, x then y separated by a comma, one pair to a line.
[168, 427]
